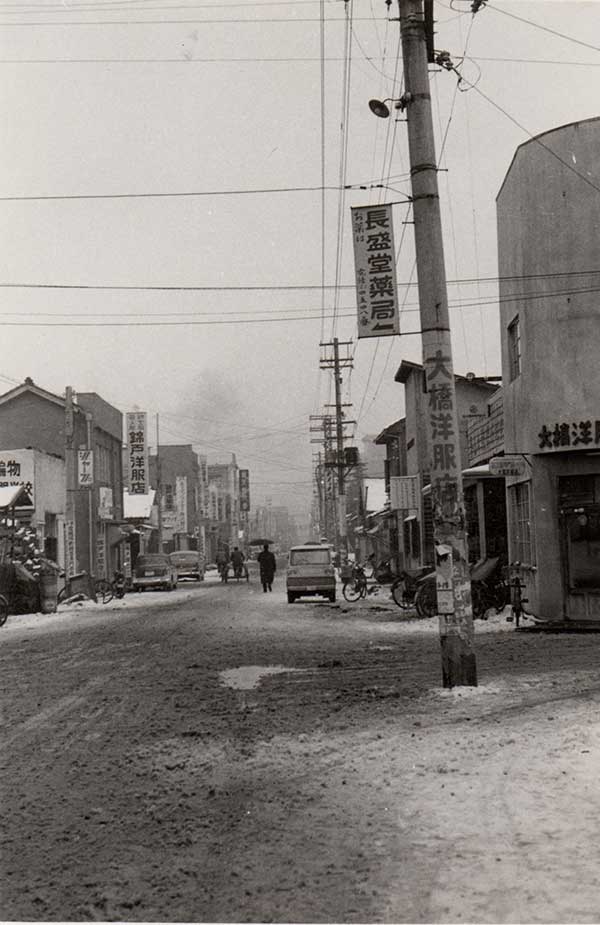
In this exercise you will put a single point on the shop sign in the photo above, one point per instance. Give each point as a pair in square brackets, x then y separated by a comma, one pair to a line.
[404, 493]
[16, 468]
[244, 490]
[375, 269]
[85, 468]
[101, 554]
[137, 452]
[569, 435]
[105, 503]
[69, 548]
[508, 465]
[181, 522]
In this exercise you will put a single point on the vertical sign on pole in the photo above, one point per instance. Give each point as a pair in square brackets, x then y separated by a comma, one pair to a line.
[85, 468]
[137, 452]
[245, 490]
[375, 268]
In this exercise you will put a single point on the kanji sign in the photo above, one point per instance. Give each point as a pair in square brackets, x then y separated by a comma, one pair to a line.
[404, 493]
[137, 452]
[569, 435]
[244, 490]
[85, 468]
[17, 468]
[508, 465]
[375, 268]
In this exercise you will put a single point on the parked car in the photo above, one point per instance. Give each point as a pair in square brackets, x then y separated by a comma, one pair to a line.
[189, 564]
[310, 571]
[154, 571]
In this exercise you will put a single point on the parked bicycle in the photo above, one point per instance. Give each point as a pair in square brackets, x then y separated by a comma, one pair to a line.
[82, 587]
[404, 588]
[3, 609]
[488, 590]
[517, 601]
[357, 586]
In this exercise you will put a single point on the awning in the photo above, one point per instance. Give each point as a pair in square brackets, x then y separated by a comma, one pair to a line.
[410, 517]
[382, 512]
[473, 474]
[15, 496]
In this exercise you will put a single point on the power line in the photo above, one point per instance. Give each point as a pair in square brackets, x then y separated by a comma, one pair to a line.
[537, 25]
[232, 192]
[181, 22]
[287, 288]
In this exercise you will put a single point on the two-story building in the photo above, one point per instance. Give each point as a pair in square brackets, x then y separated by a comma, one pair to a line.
[548, 212]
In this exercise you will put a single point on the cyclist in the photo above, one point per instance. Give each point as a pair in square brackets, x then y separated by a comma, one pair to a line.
[222, 560]
[237, 560]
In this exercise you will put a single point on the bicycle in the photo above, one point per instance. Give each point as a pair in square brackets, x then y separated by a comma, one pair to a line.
[3, 609]
[85, 587]
[516, 598]
[404, 588]
[357, 587]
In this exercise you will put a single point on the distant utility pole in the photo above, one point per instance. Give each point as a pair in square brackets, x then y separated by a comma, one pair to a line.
[338, 363]
[158, 495]
[70, 477]
[453, 582]
[322, 424]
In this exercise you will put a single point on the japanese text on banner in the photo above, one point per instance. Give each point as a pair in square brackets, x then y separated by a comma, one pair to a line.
[137, 452]
[375, 268]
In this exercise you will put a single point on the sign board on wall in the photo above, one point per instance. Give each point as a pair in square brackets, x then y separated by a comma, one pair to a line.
[105, 503]
[508, 465]
[17, 468]
[375, 269]
[404, 493]
[244, 490]
[137, 452]
[85, 468]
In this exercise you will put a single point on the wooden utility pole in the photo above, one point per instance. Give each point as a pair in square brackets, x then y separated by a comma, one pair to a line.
[158, 494]
[453, 582]
[337, 363]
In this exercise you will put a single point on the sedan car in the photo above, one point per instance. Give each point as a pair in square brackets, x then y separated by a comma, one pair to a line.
[189, 564]
[154, 570]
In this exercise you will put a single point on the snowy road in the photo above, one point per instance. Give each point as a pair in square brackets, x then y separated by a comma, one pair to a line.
[145, 777]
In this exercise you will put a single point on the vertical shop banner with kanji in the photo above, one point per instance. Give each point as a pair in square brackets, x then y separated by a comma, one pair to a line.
[85, 468]
[375, 269]
[181, 518]
[244, 490]
[137, 452]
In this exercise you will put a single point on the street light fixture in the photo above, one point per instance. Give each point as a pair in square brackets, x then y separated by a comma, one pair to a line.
[380, 109]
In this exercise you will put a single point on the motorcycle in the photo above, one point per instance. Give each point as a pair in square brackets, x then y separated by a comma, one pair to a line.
[488, 589]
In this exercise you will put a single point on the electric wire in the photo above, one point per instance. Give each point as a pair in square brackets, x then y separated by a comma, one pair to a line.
[537, 25]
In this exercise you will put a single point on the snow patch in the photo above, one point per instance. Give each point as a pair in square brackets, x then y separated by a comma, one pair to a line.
[247, 677]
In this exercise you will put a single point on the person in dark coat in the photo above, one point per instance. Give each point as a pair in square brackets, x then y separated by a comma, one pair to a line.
[268, 566]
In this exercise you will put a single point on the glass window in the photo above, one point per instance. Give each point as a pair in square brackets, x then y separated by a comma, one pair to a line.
[522, 546]
[514, 349]
[310, 557]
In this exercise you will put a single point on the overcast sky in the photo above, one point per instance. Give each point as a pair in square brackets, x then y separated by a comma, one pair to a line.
[227, 101]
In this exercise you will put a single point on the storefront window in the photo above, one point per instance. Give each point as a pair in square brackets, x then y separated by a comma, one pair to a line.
[521, 528]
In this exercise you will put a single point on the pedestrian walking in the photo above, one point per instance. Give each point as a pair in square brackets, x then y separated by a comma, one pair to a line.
[268, 567]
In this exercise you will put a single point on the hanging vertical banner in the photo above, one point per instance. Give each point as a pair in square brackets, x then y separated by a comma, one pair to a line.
[244, 490]
[181, 523]
[137, 452]
[375, 268]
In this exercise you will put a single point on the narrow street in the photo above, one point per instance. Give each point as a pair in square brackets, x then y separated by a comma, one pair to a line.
[143, 778]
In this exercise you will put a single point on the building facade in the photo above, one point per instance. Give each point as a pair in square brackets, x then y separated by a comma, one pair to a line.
[549, 255]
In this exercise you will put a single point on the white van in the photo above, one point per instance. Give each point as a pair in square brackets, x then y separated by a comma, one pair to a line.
[310, 571]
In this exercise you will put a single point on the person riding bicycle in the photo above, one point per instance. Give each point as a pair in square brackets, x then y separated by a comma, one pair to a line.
[222, 560]
[237, 560]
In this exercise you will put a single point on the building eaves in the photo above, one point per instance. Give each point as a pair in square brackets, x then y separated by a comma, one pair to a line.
[389, 433]
[536, 139]
[29, 386]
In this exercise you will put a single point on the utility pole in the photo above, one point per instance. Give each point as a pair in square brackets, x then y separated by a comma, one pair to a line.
[322, 424]
[158, 498]
[338, 363]
[70, 567]
[453, 582]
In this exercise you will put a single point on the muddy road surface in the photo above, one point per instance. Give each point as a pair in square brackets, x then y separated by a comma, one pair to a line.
[159, 765]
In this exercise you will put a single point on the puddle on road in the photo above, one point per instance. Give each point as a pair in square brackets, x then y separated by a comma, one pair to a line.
[249, 676]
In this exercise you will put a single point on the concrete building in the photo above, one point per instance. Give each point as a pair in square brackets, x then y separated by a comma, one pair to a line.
[180, 496]
[32, 420]
[548, 211]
